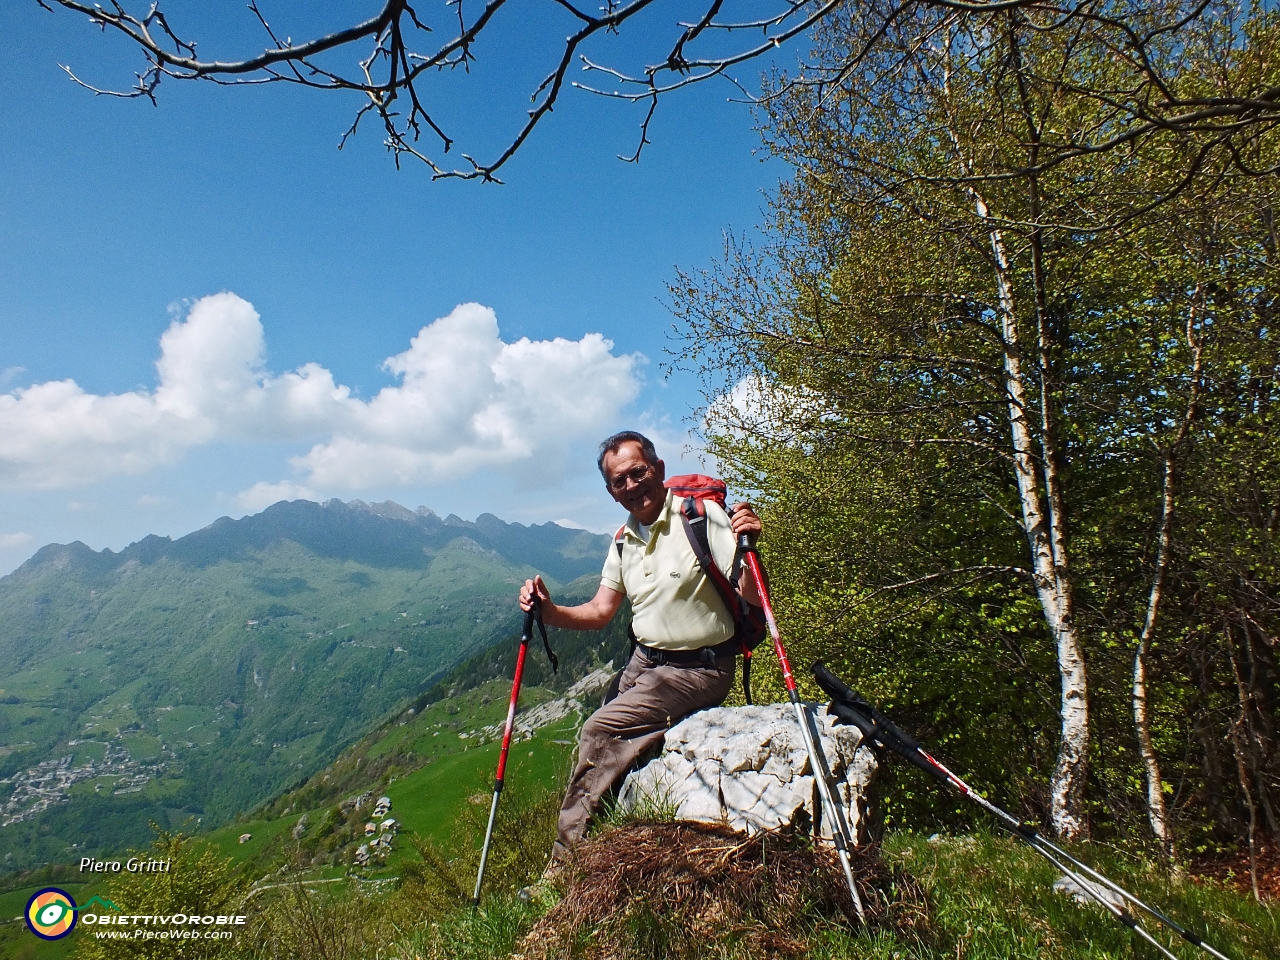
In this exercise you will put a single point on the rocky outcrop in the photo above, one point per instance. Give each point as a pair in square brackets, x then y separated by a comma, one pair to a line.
[747, 767]
[581, 698]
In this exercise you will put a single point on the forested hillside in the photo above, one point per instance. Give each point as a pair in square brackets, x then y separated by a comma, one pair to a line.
[1010, 404]
[195, 678]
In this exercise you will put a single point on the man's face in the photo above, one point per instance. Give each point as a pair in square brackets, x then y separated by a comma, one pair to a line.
[634, 482]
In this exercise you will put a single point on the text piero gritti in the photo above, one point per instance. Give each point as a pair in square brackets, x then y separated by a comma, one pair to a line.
[132, 865]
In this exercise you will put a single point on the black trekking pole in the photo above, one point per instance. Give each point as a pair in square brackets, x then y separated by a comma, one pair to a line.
[527, 634]
[841, 836]
[849, 707]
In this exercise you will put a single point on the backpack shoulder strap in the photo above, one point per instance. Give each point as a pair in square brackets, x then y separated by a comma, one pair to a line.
[694, 518]
[693, 514]
[619, 539]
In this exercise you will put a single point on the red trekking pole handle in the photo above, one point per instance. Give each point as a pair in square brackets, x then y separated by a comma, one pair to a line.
[525, 636]
[752, 559]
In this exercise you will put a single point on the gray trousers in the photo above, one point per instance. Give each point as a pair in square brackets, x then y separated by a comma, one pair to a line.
[628, 729]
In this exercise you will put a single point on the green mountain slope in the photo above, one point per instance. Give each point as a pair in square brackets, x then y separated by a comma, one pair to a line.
[197, 677]
[433, 759]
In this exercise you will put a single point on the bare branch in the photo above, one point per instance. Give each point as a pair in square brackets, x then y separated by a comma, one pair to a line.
[390, 68]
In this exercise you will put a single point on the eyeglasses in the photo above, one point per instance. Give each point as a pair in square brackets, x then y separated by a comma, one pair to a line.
[636, 475]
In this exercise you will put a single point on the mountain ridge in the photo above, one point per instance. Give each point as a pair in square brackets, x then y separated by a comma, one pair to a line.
[302, 521]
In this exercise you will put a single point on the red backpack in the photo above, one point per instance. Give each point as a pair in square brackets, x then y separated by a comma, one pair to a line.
[695, 489]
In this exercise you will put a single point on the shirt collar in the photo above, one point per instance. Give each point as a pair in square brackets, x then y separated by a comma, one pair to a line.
[664, 518]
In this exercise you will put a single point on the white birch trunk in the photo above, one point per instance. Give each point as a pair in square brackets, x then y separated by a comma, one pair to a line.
[1046, 536]
[1157, 813]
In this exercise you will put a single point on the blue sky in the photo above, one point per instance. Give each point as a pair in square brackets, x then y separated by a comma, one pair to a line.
[227, 222]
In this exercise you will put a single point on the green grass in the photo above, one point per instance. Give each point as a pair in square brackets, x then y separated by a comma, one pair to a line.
[184, 723]
[456, 776]
[987, 898]
[429, 800]
[469, 934]
[991, 897]
[141, 746]
[265, 834]
[88, 751]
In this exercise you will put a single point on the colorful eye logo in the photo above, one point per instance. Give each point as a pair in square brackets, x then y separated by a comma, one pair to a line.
[51, 913]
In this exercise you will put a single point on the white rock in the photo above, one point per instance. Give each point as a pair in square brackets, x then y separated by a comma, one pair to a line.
[1068, 887]
[747, 767]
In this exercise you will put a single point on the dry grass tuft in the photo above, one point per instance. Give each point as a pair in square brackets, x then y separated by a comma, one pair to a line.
[682, 889]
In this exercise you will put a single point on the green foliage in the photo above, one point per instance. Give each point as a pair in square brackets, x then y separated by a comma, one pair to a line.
[120, 822]
[427, 914]
[987, 897]
[656, 806]
[579, 651]
[317, 922]
[990, 896]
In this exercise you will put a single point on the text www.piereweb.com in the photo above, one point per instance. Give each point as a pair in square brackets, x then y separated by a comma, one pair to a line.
[174, 934]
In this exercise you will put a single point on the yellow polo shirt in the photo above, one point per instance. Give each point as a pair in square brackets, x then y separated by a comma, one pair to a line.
[674, 605]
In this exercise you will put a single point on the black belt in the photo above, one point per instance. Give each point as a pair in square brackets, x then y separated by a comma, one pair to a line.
[684, 658]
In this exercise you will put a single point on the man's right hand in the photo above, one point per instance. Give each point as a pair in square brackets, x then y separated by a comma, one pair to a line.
[533, 590]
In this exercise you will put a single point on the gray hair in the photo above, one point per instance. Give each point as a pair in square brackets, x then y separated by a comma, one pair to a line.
[612, 444]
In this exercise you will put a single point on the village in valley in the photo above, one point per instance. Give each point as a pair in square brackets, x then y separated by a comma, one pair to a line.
[37, 788]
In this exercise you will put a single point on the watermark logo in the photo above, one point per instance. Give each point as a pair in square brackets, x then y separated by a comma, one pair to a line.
[51, 913]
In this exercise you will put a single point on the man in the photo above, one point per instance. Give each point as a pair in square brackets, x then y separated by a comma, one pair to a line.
[684, 659]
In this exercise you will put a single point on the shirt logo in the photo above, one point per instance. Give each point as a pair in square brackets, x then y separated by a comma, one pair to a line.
[675, 574]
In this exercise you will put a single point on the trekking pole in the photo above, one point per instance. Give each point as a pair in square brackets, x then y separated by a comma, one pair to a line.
[849, 707]
[525, 636]
[840, 833]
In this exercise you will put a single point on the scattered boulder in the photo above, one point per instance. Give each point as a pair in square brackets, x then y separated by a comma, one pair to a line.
[747, 767]
[355, 803]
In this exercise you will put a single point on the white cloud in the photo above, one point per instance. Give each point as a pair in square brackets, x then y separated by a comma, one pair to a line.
[262, 494]
[465, 400]
[468, 400]
[150, 500]
[10, 373]
[11, 541]
[765, 411]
